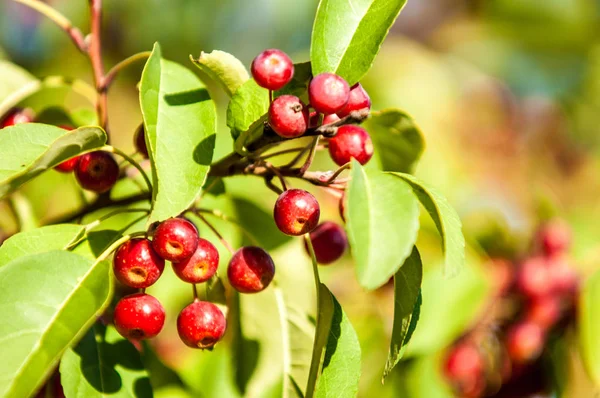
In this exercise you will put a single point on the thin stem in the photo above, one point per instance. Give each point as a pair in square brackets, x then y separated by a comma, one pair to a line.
[275, 171]
[313, 375]
[115, 70]
[63, 22]
[212, 228]
[195, 291]
[97, 222]
[220, 215]
[135, 164]
[299, 156]
[116, 244]
[95, 54]
[272, 187]
[283, 152]
[311, 156]
[338, 172]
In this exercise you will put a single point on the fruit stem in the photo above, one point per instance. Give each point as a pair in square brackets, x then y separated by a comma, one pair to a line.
[311, 156]
[214, 230]
[338, 172]
[97, 222]
[219, 214]
[195, 291]
[63, 22]
[104, 255]
[276, 172]
[115, 70]
[135, 164]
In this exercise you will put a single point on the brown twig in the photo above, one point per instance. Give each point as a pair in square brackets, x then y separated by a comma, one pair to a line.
[95, 55]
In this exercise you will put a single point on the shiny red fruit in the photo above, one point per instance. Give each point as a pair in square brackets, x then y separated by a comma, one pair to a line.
[296, 212]
[175, 239]
[201, 266]
[524, 342]
[565, 279]
[358, 100]
[139, 316]
[288, 116]
[329, 242]
[136, 264]
[16, 116]
[464, 369]
[534, 278]
[555, 237]
[544, 311]
[328, 93]
[68, 165]
[97, 171]
[351, 142]
[250, 270]
[139, 141]
[272, 69]
[201, 325]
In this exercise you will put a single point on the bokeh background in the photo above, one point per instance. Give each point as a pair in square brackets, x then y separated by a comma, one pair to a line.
[507, 94]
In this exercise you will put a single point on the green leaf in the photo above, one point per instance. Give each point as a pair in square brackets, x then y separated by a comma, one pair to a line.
[446, 220]
[398, 141]
[298, 86]
[589, 326]
[12, 78]
[382, 226]
[407, 285]
[39, 240]
[180, 120]
[51, 299]
[337, 351]
[347, 35]
[104, 364]
[223, 68]
[249, 104]
[31, 148]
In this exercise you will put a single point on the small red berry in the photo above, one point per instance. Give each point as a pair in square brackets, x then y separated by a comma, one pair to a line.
[201, 266]
[351, 142]
[201, 324]
[464, 369]
[288, 116]
[555, 237]
[136, 264]
[328, 119]
[139, 141]
[68, 165]
[16, 116]
[272, 69]
[329, 242]
[97, 171]
[139, 316]
[359, 99]
[250, 270]
[534, 278]
[175, 239]
[296, 212]
[328, 93]
[524, 342]
[564, 278]
[544, 311]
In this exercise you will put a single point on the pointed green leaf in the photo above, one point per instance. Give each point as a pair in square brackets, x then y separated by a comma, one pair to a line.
[39, 240]
[51, 299]
[398, 141]
[104, 364]
[407, 285]
[180, 120]
[26, 150]
[249, 103]
[347, 35]
[589, 326]
[223, 68]
[446, 220]
[382, 226]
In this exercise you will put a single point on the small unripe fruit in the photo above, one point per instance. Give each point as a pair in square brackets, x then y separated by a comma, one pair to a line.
[296, 212]
[328, 93]
[68, 165]
[534, 278]
[329, 242]
[175, 239]
[328, 119]
[555, 237]
[250, 270]
[201, 266]
[201, 325]
[524, 342]
[358, 99]
[139, 316]
[16, 116]
[97, 171]
[139, 140]
[272, 69]
[288, 116]
[136, 264]
[351, 142]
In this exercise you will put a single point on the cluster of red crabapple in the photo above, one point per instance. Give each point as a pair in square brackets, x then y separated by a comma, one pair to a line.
[139, 262]
[535, 298]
